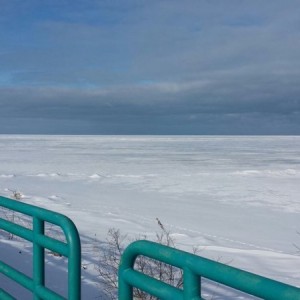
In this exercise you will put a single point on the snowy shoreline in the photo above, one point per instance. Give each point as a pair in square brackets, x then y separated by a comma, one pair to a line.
[236, 198]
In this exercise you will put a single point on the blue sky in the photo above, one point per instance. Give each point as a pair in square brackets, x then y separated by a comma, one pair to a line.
[150, 67]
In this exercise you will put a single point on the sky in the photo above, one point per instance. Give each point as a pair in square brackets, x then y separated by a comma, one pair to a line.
[150, 67]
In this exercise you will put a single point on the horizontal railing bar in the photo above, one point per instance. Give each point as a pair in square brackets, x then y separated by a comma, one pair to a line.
[16, 229]
[41, 213]
[244, 281]
[151, 285]
[27, 282]
[34, 211]
[17, 276]
[27, 234]
[45, 293]
[52, 244]
[5, 296]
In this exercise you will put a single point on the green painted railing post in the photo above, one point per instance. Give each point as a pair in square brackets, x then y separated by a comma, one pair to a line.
[125, 290]
[38, 256]
[191, 284]
[40, 241]
[74, 270]
[194, 268]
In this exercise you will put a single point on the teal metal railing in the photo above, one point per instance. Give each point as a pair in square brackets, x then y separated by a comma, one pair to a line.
[194, 267]
[40, 241]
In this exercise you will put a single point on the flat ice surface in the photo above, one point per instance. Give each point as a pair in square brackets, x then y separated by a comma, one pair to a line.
[236, 198]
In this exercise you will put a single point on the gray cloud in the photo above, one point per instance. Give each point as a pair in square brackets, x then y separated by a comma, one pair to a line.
[197, 67]
[158, 108]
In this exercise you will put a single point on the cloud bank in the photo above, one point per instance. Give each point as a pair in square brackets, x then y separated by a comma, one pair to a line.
[159, 67]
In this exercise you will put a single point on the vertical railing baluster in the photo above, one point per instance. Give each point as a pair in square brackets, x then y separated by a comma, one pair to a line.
[125, 290]
[74, 265]
[191, 284]
[38, 256]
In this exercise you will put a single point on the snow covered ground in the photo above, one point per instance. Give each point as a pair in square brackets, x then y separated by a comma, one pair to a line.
[236, 198]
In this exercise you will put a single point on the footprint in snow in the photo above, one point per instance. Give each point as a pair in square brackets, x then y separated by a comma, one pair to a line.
[7, 175]
[55, 198]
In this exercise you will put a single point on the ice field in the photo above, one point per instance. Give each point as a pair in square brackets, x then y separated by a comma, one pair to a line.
[234, 197]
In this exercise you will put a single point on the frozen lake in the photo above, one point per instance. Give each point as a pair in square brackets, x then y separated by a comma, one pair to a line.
[236, 198]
